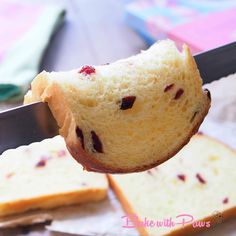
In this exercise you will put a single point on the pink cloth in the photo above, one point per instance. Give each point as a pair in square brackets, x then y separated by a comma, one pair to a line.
[222, 27]
[15, 20]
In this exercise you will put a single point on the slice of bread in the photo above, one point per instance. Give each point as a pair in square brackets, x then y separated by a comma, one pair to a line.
[199, 181]
[42, 176]
[130, 115]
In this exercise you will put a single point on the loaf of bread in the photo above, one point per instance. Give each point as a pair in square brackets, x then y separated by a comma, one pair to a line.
[199, 182]
[130, 115]
[44, 175]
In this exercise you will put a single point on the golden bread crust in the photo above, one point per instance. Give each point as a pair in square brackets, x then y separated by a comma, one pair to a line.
[52, 201]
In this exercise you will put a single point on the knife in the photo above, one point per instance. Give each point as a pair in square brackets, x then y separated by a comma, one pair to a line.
[33, 123]
[217, 63]
[26, 124]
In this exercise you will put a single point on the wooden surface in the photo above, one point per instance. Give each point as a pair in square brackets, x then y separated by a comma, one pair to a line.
[94, 32]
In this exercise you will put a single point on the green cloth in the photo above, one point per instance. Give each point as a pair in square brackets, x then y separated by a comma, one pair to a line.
[21, 64]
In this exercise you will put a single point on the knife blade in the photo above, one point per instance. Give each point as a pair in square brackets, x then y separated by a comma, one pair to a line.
[217, 63]
[26, 124]
[33, 123]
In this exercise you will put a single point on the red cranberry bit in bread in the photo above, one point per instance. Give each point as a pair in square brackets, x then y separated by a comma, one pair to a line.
[97, 144]
[87, 70]
[200, 178]
[61, 153]
[181, 177]
[226, 200]
[178, 94]
[80, 135]
[9, 175]
[168, 87]
[127, 102]
[41, 163]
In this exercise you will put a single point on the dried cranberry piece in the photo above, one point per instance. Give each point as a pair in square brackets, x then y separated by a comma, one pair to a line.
[80, 135]
[181, 177]
[97, 144]
[179, 93]
[193, 117]
[61, 153]
[168, 87]
[127, 102]
[41, 163]
[87, 70]
[9, 175]
[208, 93]
[200, 178]
[226, 200]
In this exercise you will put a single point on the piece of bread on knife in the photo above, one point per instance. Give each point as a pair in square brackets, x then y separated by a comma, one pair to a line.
[130, 115]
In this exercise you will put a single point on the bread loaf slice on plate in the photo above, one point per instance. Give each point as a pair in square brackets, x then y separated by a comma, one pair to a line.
[42, 176]
[130, 115]
[199, 182]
